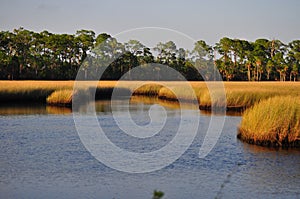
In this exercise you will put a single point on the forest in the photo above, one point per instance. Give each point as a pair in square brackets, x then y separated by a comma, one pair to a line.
[29, 55]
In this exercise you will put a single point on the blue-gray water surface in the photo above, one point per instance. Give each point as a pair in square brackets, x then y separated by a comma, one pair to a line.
[42, 156]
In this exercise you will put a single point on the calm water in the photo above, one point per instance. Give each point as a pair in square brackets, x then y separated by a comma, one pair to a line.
[43, 157]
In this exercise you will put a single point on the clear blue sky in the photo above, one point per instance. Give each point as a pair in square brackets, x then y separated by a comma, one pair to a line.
[209, 20]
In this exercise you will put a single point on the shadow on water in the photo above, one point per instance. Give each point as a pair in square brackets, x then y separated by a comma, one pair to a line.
[31, 109]
[177, 105]
[103, 105]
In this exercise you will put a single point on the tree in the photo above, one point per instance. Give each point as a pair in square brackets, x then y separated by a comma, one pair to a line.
[25, 54]
[101, 38]
[135, 47]
[260, 54]
[166, 52]
[293, 58]
[22, 42]
[203, 59]
[8, 58]
[109, 53]
[225, 62]
[280, 65]
[147, 57]
[85, 42]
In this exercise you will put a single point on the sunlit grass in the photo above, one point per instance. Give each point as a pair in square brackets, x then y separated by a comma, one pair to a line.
[272, 122]
[238, 94]
[60, 97]
[31, 91]
[150, 89]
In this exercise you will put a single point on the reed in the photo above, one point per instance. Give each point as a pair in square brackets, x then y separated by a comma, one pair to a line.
[184, 94]
[60, 98]
[150, 89]
[30, 91]
[273, 122]
[239, 95]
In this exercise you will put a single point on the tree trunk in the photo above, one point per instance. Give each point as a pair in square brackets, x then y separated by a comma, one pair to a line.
[249, 73]
[280, 76]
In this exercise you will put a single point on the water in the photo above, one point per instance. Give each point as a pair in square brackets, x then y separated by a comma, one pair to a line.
[43, 157]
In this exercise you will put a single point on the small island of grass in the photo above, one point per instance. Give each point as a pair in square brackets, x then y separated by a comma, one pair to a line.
[274, 122]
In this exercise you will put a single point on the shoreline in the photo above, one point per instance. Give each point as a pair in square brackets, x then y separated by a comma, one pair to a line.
[240, 96]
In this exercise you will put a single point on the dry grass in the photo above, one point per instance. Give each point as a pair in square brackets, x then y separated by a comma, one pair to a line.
[238, 94]
[61, 98]
[30, 91]
[242, 95]
[150, 89]
[39, 91]
[272, 122]
[273, 108]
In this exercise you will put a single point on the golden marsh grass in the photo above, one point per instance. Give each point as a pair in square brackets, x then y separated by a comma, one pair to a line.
[272, 122]
[238, 94]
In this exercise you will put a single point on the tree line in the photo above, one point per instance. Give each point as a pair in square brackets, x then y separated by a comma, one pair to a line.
[25, 54]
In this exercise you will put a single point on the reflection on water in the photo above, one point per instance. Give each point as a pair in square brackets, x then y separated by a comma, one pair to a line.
[165, 103]
[100, 106]
[43, 157]
[32, 109]
[177, 105]
[58, 110]
[265, 150]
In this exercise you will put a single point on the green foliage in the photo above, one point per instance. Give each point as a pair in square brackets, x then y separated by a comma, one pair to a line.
[157, 194]
[25, 54]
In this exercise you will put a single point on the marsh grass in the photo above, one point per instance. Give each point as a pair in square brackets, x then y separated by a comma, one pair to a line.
[272, 117]
[60, 98]
[30, 91]
[40, 91]
[150, 89]
[183, 94]
[239, 95]
[272, 122]
[242, 95]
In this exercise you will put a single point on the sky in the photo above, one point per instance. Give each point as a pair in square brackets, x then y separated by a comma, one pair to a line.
[208, 20]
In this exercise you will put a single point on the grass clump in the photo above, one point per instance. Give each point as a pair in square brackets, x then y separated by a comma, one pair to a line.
[158, 194]
[60, 98]
[274, 122]
[30, 91]
[241, 95]
[150, 89]
[183, 93]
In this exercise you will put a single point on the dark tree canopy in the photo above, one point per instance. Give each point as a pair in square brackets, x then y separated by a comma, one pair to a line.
[25, 54]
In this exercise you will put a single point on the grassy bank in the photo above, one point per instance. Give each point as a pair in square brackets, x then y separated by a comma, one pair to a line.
[271, 118]
[239, 95]
[60, 98]
[52, 92]
[272, 122]
[30, 91]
